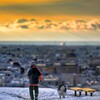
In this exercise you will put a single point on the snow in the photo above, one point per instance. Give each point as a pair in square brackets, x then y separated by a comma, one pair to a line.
[7, 93]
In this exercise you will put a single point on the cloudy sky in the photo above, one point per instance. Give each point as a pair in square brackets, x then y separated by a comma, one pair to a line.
[49, 20]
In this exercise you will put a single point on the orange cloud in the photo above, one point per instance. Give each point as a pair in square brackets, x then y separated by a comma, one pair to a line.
[50, 30]
[69, 25]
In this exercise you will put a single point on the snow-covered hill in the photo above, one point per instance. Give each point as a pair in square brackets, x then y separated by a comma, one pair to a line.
[44, 94]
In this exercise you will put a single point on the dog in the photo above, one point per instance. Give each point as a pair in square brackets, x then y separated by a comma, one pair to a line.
[62, 91]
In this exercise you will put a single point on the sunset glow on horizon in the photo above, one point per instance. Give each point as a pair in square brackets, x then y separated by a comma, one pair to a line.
[61, 20]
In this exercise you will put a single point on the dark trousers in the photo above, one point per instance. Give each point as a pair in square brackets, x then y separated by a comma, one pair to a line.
[33, 96]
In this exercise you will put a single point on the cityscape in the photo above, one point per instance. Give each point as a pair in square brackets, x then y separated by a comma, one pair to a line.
[75, 65]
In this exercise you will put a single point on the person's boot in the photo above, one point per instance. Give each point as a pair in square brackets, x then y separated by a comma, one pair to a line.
[32, 99]
[36, 97]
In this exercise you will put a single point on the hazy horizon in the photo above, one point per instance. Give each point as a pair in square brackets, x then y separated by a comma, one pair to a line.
[70, 43]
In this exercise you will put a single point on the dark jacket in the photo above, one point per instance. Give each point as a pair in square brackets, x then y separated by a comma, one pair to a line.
[34, 75]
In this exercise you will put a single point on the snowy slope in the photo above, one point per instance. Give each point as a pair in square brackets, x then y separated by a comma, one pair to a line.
[44, 94]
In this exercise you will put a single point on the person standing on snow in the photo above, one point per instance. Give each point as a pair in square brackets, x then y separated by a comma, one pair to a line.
[34, 75]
